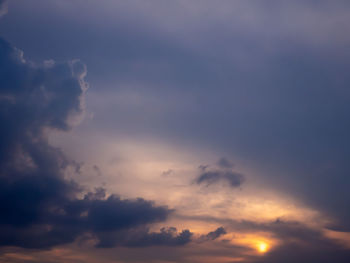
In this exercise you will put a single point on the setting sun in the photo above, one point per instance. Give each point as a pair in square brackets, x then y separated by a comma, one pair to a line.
[262, 247]
[174, 131]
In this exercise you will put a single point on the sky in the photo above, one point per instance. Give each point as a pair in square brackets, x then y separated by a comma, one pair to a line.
[174, 131]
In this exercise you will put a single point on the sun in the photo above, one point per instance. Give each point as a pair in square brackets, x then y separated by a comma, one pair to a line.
[262, 247]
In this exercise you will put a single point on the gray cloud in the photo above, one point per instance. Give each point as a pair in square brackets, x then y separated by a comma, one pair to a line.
[224, 173]
[220, 231]
[217, 233]
[142, 237]
[211, 177]
[298, 241]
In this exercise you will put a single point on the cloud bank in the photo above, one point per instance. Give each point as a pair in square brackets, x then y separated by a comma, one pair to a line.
[39, 208]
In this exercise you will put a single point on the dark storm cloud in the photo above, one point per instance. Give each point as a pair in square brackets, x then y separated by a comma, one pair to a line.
[224, 173]
[38, 207]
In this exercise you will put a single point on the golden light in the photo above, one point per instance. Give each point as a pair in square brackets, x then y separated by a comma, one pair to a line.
[262, 247]
[258, 243]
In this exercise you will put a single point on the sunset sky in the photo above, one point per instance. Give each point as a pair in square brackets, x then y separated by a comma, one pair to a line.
[174, 131]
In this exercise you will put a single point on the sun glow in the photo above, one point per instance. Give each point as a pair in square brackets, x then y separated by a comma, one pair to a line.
[262, 247]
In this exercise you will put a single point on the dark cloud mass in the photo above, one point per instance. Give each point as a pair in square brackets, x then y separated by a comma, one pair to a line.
[39, 208]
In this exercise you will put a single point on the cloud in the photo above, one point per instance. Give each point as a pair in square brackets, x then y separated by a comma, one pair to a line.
[288, 109]
[217, 233]
[296, 241]
[222, 173]
[220, 231]
[141, 237]
[301, 243]
[39, 208]
[293, 252]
